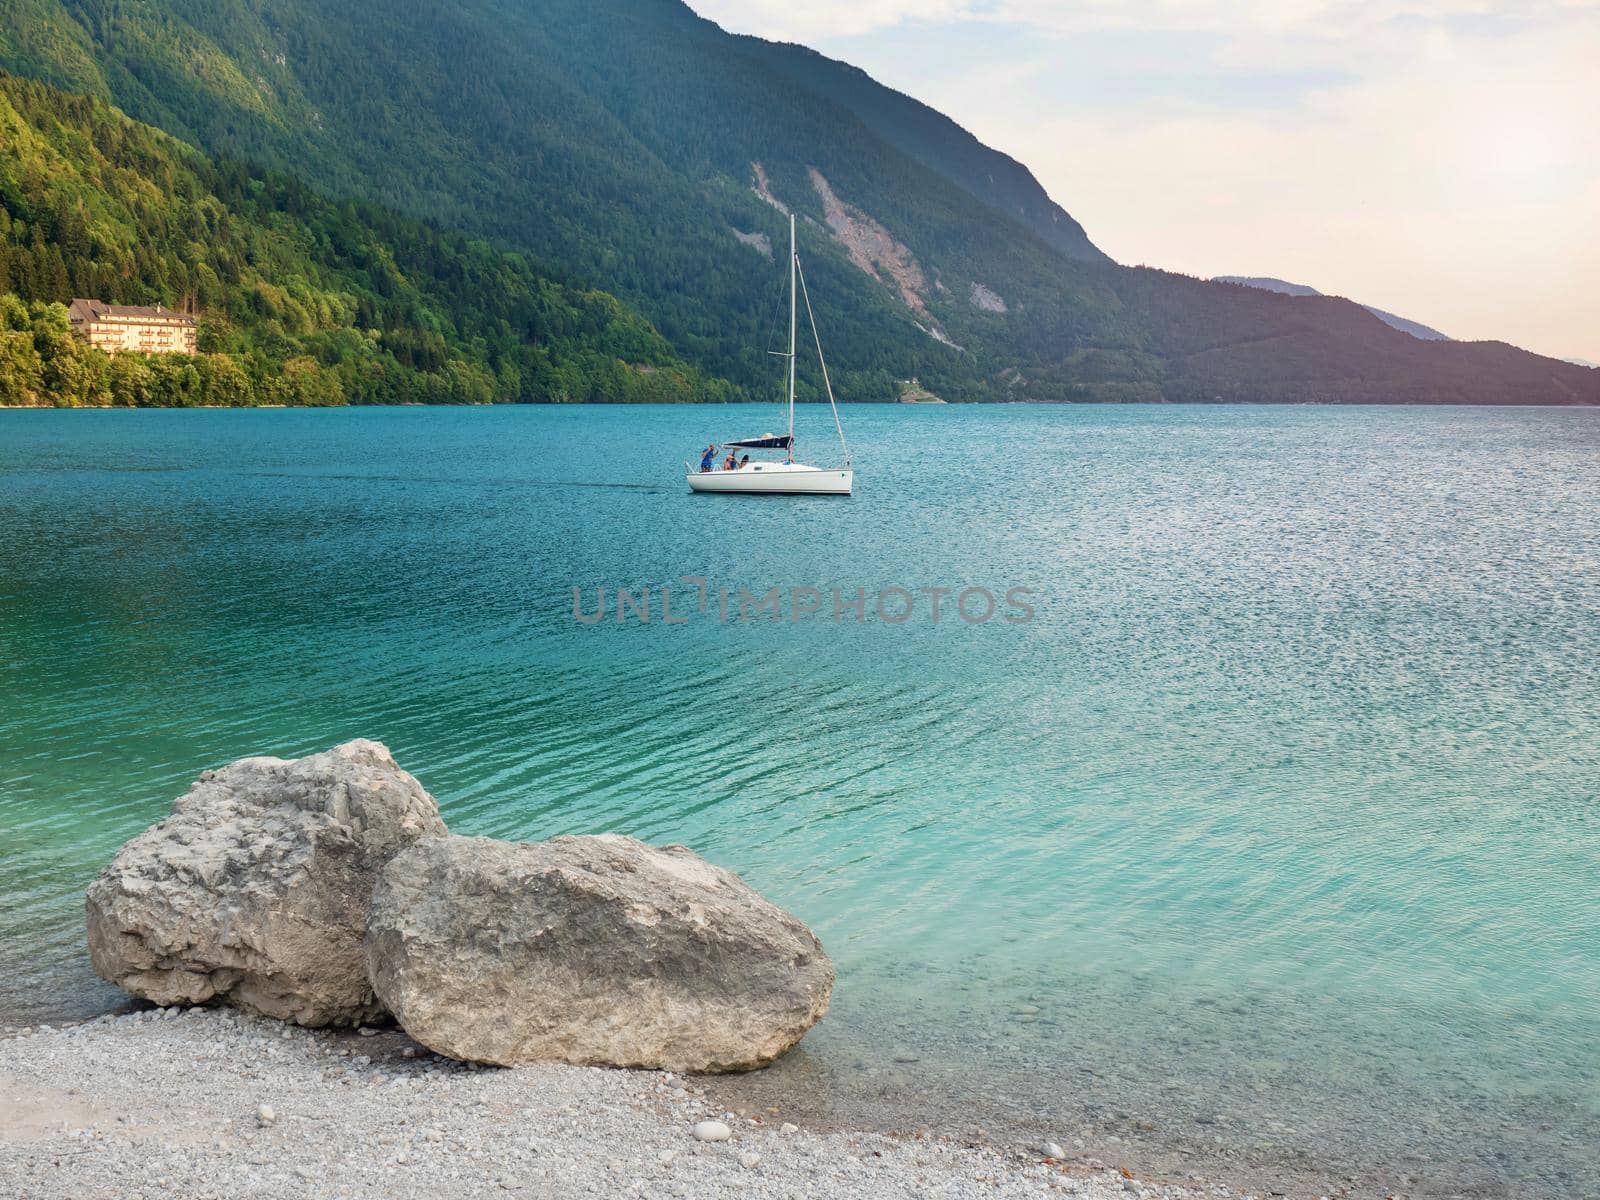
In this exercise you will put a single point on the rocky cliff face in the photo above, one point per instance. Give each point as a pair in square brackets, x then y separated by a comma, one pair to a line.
[872, 247]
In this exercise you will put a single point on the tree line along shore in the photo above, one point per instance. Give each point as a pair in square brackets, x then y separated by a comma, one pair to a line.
[301, 300]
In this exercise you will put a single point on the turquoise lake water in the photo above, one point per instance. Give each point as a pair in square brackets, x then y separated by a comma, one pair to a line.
[1273, 838]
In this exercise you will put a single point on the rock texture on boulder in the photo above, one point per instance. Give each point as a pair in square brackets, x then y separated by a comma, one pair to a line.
[255, 888]
[593, 950]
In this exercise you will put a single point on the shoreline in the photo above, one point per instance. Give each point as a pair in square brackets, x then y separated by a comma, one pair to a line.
[837, 1082]
[1042, 404]
[828, 1090]
[207, 1102]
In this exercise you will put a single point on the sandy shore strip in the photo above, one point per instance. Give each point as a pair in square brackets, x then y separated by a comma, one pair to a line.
[196, 1103]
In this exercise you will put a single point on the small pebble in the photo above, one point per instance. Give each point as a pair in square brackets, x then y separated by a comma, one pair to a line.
[750, 1160]
[265, 1115]
[1052, 1150]
[788, 1127]
[712, 1131]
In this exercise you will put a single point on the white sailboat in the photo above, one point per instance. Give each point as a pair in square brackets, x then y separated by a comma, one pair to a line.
[784, 477]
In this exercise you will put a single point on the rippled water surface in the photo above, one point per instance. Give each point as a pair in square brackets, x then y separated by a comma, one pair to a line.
[1273, 838]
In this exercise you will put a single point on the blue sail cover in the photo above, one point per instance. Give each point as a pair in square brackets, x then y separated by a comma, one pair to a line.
[768, 442]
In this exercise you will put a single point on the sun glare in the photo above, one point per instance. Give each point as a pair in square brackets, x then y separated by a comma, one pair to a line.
[1523, 149]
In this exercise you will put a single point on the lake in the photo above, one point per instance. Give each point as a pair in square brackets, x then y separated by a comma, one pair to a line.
[1271, 841]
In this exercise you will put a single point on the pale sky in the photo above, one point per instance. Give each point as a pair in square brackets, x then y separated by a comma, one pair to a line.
[1436, 158]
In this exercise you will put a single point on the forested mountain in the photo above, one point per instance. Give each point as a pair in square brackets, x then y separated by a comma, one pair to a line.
[644, 150]
[302, 300]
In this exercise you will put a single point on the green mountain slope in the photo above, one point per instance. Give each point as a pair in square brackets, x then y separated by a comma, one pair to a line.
[643, 149]
[934, 140]
[301, 300]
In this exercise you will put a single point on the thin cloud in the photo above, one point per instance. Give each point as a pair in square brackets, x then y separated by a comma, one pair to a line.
[788, 22]
[1333, 20]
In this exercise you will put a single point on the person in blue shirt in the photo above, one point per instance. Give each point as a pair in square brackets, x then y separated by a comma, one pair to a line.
[705, 459]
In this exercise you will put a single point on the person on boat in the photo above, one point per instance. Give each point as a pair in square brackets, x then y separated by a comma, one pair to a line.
[731, 463]
[744, 462]
[705, 459]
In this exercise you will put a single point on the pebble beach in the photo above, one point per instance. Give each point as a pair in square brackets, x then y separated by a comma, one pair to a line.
[198, 1103]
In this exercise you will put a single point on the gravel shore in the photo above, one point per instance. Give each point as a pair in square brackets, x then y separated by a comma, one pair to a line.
[188, 1104]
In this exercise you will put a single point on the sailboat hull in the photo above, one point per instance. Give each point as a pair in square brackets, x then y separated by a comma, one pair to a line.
[774, 479]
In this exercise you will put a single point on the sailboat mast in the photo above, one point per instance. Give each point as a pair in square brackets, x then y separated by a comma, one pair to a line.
[794, 313]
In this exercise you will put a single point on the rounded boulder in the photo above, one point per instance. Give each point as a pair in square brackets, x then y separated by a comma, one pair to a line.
[592, 950]
[254, 889]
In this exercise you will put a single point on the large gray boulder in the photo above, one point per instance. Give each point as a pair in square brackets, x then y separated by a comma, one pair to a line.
[594, 950]
[255, 888]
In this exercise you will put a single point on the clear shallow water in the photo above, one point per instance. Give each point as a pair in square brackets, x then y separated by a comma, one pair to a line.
[1284, 811]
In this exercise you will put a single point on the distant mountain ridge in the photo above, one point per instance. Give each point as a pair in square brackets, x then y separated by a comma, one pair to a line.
[1283, 287]
[634, 146]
